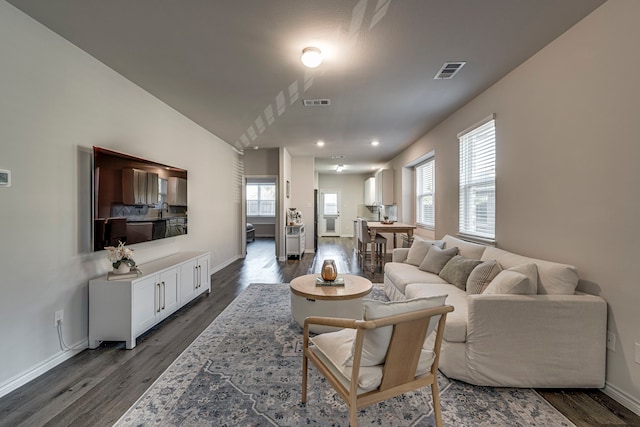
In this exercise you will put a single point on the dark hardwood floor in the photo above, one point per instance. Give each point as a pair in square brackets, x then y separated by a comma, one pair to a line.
[96, 387]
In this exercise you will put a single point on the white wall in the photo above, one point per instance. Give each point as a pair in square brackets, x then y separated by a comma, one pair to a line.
[302, 176]
[568, 149]
[56, 103]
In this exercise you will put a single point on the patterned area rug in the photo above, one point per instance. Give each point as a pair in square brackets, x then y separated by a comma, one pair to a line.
[245, 370]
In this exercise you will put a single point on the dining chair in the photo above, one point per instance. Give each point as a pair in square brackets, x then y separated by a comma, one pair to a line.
[378, 245]
[406, 365]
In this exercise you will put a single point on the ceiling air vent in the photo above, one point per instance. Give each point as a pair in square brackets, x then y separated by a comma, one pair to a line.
[316, 102]
[448, 70]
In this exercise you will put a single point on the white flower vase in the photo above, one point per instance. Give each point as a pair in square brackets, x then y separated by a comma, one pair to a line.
[123, 268]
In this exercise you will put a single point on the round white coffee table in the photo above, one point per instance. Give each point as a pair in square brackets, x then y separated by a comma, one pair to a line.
[307, 299]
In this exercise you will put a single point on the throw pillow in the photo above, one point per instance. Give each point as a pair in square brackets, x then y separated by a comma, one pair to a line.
[458, 269]
[508, 282]
[531, 271]
[376, 341]
[482, 275]
[437, 258]
[419, 249]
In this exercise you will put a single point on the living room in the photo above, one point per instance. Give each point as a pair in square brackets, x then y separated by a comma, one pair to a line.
[566, 174]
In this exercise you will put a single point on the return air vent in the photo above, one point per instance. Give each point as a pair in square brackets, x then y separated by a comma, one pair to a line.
[448, 70]
[316, 102]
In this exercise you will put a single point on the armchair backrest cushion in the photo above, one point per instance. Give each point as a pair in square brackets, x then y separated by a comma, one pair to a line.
[376, 341]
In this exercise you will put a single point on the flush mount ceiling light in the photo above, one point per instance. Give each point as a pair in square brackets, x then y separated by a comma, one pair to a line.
[339, 168]
[320, 143]
[311, 57]
[375, 143]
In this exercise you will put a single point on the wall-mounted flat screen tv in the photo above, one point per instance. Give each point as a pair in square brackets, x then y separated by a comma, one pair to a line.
[136, 200]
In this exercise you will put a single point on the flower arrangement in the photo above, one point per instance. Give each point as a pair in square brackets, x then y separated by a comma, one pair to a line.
[294, 216]
[120, 255]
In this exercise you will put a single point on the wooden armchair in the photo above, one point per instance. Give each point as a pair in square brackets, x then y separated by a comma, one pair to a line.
[400, 371]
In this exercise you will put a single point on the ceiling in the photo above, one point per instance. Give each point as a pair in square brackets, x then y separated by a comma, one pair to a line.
[233, 66]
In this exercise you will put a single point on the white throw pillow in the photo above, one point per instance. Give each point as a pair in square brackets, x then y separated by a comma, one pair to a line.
[419, 249]
[510, 282]
[376, 341]
[531, 271]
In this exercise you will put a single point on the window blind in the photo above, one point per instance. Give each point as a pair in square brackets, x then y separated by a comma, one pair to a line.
[477, 213]
[425, 186]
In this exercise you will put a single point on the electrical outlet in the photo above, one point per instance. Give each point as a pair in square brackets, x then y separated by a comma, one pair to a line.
[59, 317]
[611, 341]
[637, 347]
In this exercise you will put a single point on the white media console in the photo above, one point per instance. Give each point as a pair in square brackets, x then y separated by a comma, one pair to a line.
[123, 309]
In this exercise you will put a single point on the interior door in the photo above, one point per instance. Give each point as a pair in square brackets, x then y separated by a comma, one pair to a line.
[330, 212]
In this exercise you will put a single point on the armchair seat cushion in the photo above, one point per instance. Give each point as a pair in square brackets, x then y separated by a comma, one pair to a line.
[335, 347]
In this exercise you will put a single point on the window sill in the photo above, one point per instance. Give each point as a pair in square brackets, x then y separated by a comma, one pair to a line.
[477, 239]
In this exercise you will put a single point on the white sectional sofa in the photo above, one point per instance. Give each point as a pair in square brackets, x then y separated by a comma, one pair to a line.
[553, 338]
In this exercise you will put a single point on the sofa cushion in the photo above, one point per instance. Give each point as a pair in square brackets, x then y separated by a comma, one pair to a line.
[376, 341]
[458, 269]
[482, 275]
[553, 278]
[402, 274]
[455, 329]
[466, 249]
[419, 249]
[437, 258]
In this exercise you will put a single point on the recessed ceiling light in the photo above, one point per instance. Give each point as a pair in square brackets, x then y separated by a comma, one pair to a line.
[311, 57]
[320, 143]
[375, 143]
[255, 147]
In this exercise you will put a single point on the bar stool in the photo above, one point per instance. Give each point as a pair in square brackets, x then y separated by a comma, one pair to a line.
[378, 245]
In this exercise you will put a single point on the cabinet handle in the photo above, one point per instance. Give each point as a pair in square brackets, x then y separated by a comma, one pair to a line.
[195, 277]
[199, 280]
[164, 295]
[158, 285]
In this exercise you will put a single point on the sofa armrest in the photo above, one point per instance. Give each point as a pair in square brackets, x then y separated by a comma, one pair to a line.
[399, 254]
[544, 340]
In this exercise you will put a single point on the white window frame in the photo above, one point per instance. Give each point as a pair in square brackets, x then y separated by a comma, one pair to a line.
[477, 208]
[426, 167]
[260, 200]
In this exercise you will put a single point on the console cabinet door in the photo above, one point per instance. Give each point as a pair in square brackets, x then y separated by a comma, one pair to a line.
[204, 279]
[145, 304]
[169, 292]
[188, 281]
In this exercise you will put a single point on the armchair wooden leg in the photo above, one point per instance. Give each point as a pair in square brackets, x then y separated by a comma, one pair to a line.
[304, 378]
[353, 416]
[435, 395]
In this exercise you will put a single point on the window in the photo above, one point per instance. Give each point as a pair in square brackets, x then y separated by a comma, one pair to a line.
[478, 180]
[425, 203]
[261, 200]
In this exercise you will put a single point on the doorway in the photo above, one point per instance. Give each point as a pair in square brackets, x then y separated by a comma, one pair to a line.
[330, 212]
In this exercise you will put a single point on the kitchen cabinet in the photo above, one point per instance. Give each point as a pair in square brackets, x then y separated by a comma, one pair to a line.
[134, 187]
[384, 187]
[295, 240]
[139, 187]
[177, 191]
[123, 309]
[370, 191]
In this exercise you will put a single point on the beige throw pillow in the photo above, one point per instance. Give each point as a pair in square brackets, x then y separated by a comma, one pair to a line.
[419, 249]
[437, 258]
[458, 269]
[508, 282]
[482, 275]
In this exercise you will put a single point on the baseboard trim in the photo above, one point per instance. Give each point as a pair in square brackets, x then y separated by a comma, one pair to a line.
[21, 379]
[622, 397]
[223, 265]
